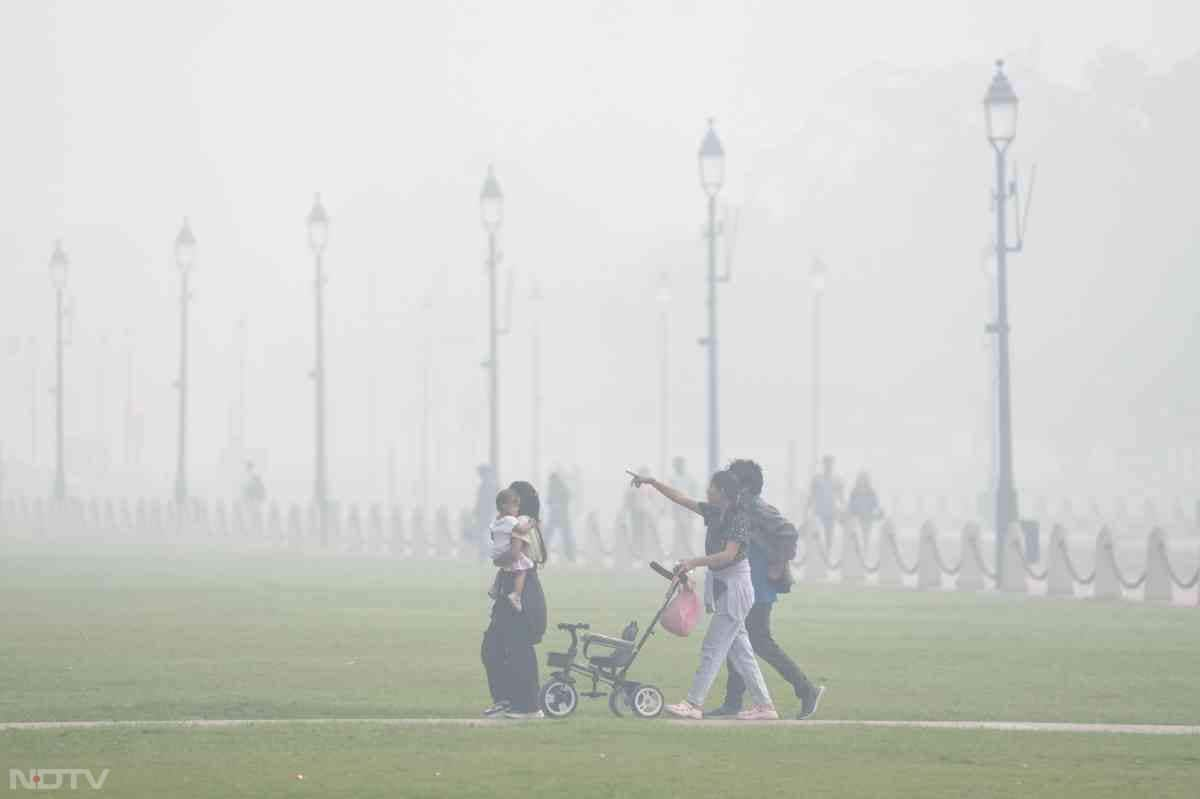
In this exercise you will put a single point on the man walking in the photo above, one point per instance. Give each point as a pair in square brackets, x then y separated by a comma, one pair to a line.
[771, 549]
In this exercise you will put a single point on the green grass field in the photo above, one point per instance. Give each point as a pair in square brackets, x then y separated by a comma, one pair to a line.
[200, 635]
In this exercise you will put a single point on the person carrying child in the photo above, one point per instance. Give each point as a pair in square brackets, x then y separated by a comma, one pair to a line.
[511, 541]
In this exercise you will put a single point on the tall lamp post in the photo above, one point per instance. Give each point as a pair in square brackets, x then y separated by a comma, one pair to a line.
[1000, 106]
[58, 275]
[712, 177]
[185, 259]
[535, 299]
[491, 212]
[663, 298]
[318, 237]
[819, 275]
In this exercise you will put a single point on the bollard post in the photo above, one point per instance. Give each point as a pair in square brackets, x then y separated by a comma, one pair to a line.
[970, 575]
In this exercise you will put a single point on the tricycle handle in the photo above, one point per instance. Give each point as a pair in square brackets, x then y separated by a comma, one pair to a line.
[658, 567]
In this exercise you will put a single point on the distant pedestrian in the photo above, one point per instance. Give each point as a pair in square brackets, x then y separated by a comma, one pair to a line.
[485, 503]
[637, 520]
[558, 516]
[826, 498]
[864, 505]
[683, 527]
[254, 491]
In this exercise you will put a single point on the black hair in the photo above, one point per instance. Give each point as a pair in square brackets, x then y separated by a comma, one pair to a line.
[531, 506]
[506, 496]
[749, 474]
[728, 484]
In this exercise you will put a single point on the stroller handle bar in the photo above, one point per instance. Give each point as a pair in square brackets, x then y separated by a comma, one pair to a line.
[665, 572]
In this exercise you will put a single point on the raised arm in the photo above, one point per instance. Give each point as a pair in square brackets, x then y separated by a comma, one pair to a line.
[668, 492]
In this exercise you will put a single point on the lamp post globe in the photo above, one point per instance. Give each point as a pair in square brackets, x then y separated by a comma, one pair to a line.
[59, 264]
[318, 226]
[712, 162]
[185, 247]
[491, 202]
[1000, 109]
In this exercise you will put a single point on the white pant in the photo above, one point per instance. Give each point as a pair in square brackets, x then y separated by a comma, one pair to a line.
[727, 638]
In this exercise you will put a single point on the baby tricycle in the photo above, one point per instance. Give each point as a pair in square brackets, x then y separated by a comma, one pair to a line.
[608, 661]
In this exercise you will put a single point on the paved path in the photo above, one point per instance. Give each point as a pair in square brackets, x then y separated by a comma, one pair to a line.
[1001, 726]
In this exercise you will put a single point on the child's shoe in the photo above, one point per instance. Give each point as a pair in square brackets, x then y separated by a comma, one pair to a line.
[515, 599]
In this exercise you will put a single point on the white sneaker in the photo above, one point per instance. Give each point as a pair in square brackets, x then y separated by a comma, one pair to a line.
[537, 714]
[759, 713]
[685, 710]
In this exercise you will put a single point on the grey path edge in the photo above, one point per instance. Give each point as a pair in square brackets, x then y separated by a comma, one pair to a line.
[992, 726]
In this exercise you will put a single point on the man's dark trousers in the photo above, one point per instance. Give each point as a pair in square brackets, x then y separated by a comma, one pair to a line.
[758, 628]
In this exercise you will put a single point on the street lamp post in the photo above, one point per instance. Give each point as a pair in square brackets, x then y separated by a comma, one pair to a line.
[663, 298]
[712, 176]
[819, 275]
[1000, 106]
[318, 237]
[491, 210]
[535, 314]
[58, 275]
[185, 259]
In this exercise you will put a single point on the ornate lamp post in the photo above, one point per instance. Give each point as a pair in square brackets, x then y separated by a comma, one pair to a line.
[1000, 107]
[662, 297]
[491, 212]
[318, 237]
[58, 276]
[185, 260]
[819, 275]
[712, 177]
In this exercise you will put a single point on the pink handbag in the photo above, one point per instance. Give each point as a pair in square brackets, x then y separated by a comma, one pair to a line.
[683, 612]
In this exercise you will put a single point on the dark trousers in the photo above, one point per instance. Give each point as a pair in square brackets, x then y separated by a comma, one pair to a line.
[758, 627]
[508, 656]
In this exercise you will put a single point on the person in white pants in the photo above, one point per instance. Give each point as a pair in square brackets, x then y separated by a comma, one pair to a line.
[726, 538]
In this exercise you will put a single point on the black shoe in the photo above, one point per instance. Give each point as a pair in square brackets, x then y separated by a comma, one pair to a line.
[811, 702]
[497, 709]
[724, 711]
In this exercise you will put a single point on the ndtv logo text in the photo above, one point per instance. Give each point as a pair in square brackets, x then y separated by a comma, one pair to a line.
[52, 779]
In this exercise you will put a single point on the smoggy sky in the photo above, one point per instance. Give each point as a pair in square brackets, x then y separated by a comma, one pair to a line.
[853, 132]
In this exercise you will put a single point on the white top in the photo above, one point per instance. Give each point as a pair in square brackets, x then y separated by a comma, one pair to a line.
[501, 531]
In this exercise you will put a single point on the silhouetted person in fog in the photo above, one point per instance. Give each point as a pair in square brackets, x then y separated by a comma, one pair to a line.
[558, 497]
[683, 526]
[637, 520]
[864, 504]
[485, 503]
[826, 498]
[254, 491]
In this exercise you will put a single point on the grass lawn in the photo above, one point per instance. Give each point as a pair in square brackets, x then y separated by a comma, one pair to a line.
[199, 635]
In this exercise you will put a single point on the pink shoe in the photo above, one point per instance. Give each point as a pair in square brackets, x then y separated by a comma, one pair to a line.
[686, 710]
[759, 713]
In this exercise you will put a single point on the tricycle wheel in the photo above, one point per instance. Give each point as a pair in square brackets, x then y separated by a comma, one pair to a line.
[646, 701]
[559, 699]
